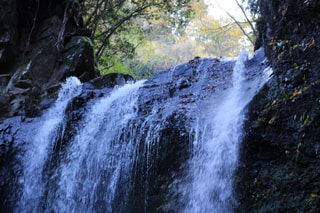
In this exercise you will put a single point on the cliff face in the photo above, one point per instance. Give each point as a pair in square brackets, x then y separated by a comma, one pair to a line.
[280, 157]
[158, 142]
[41, 43]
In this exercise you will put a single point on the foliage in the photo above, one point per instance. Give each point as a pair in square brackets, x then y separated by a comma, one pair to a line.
[143, 37]
[112, 21]
[218, 37]
[254, 6]
[204, 37]
[112, 64]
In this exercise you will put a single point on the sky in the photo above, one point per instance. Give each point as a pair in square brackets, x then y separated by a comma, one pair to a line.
[217, 6]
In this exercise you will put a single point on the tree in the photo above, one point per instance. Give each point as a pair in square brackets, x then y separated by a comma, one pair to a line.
[112, 20]
[204, 37]
[254, 6]
[162, 36]
[218, 37]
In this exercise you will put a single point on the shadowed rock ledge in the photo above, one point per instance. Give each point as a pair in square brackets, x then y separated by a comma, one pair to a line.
[41, 43]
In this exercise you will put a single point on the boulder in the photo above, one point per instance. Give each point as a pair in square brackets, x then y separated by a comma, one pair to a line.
[111, 80]
[79, 59]
[38, 50]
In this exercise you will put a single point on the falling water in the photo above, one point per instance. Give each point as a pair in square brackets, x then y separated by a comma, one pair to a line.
[100, 156]
[109, 163]
[41, 145]
[218, 133]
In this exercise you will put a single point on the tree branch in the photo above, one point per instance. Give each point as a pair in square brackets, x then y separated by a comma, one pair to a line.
[239, 25]
[116, 26]
[245, 15]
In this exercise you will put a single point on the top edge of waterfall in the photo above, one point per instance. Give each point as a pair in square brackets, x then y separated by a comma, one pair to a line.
[257, 52]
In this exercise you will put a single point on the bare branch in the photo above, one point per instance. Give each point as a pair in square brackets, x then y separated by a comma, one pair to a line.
[238, 23]
[116, 26]
[245, 15]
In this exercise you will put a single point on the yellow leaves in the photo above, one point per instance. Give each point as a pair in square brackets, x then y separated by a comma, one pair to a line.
[305, 119]
[295, 46]
[314, 195]
[296, 66]
[271, 41]
[294, 94]
[308, 45]
[297, 92]
[272, 120]
[306, 122]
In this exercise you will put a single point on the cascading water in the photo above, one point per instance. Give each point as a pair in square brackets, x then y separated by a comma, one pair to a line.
[218, 133]
[97, 160]
[100, 156]
[166, 145]
[40, 147]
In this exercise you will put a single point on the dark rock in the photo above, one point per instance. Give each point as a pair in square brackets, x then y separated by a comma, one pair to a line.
[167, 105]
[279, 158]
[79, 58]
[38, 50]
[49, 31]
[4, 102]
[37, 72]
[110, 80]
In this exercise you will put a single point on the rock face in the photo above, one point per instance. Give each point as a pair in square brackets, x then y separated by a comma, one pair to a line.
[280, 158]
[166, 107]
[41, 43]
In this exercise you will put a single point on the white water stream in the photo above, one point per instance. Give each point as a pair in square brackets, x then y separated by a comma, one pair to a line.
[218, 135]
[40, 146]
[101, 154]
[95, 170]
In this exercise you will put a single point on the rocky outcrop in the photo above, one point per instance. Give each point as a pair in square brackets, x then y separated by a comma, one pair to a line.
[41, 43]
[279, 168]
[168, 104]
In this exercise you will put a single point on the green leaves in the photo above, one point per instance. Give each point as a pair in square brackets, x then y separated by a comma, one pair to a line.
[119, 26]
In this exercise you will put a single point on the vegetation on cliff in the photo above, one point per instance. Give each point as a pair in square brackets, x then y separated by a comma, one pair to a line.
[279, 169]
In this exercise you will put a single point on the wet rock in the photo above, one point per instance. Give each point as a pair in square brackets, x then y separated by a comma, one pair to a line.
[110, 80]
[38, 50]
[79, 58]
[49, 31]
[4, 102]
[279, 158]
[8, 34]
[167, 105]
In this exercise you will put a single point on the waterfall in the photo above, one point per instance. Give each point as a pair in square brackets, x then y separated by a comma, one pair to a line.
[40, 147]
[169, 144]
[218, 132]
[101, 155]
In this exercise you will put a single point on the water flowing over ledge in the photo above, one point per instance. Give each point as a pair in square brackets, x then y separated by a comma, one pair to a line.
[218, 132]
[40, 146]
[166, 144]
